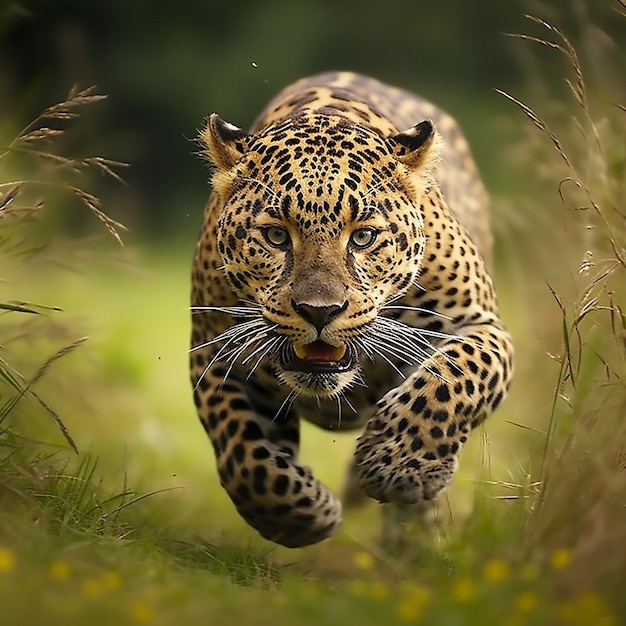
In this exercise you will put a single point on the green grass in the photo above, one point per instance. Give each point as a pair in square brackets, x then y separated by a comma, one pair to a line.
[134, 528]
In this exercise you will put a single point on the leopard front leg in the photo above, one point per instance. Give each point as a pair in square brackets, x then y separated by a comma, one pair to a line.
[256, 459]
[408, 452]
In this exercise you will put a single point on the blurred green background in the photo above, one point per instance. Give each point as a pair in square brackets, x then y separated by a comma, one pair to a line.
[166, 65]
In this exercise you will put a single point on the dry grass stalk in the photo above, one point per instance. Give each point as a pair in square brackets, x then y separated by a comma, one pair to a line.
[30, 142]
[46, 171]
[580, 503]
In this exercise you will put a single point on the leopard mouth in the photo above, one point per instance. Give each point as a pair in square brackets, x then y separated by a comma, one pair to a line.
[319, 356]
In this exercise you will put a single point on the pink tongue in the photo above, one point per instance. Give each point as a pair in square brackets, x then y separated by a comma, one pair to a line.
[321, 352]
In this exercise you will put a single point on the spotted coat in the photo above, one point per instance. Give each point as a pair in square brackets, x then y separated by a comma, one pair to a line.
[341, 276]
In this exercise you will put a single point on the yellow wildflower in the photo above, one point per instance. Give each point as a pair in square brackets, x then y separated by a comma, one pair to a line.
[589, 608]
[59, 570]
[594, 609]
[7, 560]
[92, 588]
[526, 602]
[142, 612]
[364, 560]
[408, 611]
[496, 570]
[112, 581]
[412, 606]
[463, 590]
[560, 558]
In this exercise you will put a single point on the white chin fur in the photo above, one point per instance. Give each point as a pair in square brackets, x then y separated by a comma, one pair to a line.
[318, 385]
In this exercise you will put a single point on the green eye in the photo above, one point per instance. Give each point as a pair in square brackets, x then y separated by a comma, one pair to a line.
[276, 236]
[363, 237]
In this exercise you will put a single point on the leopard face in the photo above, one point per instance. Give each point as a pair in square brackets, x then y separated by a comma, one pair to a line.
[318, 235]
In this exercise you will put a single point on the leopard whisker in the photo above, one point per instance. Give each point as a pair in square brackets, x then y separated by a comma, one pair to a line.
[239, 350]
[345, 399]
[284, 351]
[378, 351]
[235, 311]
[231, 334]
[271, 341]
[402, 328]
[204, 372]
[391, 349]
[287, 403]
[395, 298]
[343, 391]
[438, 352]
[420, 361]
[233, 337]
[211, 363]
[232, 343]
[223, 350]
[423, 345]
[235, 354]
[396, 338]
[397, 333]
[360, 381]
[268, 348]
[418, 286]
[420, 335]
[417, 309]
[249, 340]
[338, 398]
[363, 347]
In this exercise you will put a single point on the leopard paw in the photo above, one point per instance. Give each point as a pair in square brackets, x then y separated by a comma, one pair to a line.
[402, 478]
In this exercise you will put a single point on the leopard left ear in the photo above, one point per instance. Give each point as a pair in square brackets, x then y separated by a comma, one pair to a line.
[224, 142]
[415, 145]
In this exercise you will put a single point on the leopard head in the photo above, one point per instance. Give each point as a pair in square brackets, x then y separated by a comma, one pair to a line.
[320, 227]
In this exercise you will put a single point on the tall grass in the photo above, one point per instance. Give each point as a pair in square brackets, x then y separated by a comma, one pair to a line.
[581, 502]
[42, 172]
[48, 169]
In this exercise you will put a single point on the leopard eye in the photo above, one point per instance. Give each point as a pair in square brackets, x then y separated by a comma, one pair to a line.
[276, 236]
[363, 237]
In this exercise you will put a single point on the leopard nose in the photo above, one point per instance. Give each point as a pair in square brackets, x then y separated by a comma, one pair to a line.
[319, 316]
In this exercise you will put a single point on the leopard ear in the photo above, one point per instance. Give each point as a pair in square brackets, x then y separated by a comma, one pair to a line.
[416, 145]
[225, 143]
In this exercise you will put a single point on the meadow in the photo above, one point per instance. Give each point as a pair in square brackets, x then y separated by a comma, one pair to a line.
[110, 506]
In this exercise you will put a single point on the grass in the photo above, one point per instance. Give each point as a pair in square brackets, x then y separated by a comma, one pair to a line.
[134, 529]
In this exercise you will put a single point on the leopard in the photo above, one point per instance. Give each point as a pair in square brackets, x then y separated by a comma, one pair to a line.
[342, 276]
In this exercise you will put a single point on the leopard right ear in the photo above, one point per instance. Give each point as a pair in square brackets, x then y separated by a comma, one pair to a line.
[225, 143]
[417, 145]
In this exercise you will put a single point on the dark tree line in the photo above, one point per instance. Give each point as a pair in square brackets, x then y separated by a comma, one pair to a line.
[166, 65]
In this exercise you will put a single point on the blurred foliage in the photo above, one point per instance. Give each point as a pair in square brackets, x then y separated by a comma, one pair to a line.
[167, 65]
